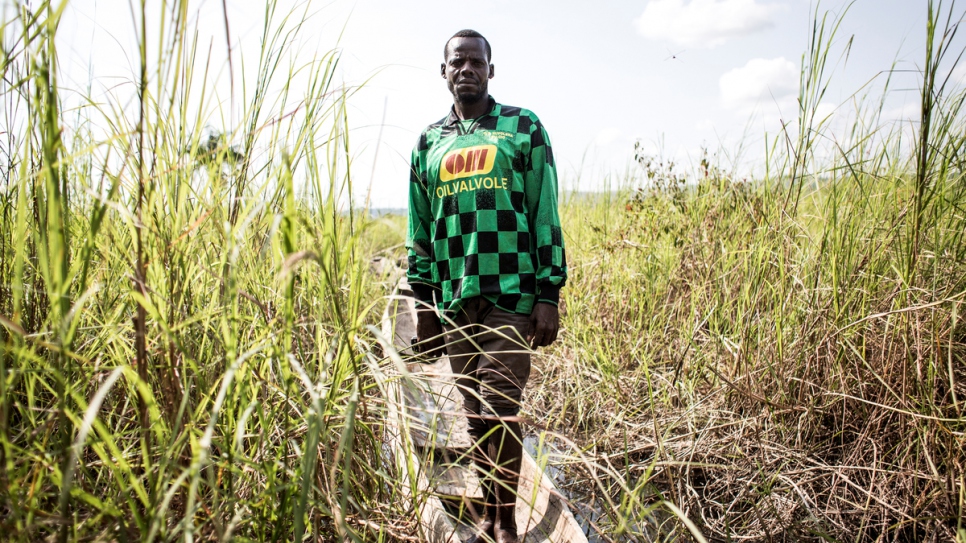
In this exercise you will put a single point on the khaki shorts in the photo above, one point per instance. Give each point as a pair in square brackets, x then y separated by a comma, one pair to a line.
[488, 352]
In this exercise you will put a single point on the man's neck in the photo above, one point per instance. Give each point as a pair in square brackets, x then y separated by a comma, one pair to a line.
[473, 110]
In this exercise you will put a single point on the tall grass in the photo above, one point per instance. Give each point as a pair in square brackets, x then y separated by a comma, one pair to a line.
[782, 359]
[184, 351]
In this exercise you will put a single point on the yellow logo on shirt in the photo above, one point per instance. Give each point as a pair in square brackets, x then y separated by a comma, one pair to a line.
[467, 162]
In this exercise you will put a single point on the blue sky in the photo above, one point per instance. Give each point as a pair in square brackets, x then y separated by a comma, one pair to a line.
[674, 74]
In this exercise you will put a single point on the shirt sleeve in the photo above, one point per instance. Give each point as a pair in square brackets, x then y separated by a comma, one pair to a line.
[541, 192]
[418, 243]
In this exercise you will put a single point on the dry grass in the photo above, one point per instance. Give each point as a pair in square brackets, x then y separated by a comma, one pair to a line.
[709, 362]
[777, 360]
[777, 375]
[186, 351]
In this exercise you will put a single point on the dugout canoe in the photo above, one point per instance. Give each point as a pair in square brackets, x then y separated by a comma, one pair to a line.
[428, 437]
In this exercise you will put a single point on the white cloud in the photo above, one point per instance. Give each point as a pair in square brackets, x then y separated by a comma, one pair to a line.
[608, 136]
[958, 75]
[760, 79]
[825, 112]
[909, 111]
[703, 23]
[704, 125]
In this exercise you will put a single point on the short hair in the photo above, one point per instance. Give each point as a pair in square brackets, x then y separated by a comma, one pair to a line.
[468, 33]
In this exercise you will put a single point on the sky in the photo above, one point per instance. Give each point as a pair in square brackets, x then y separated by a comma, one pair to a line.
[677, 76]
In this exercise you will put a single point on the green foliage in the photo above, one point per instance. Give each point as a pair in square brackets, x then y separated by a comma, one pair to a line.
[782, 359]
[184, 351]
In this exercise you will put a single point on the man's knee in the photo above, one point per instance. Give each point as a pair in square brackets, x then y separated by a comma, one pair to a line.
[477, 424]
[499, 410]
[477, 427]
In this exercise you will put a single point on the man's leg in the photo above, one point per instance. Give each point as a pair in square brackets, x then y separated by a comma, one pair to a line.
[482, 455]
[507, 440]
[503, 370]
[462, 349]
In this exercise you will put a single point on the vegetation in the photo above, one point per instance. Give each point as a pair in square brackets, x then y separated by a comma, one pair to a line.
[188, 349]
[184, 347]
[783, 359]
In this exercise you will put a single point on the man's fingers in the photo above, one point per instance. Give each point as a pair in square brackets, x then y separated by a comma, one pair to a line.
[551, 334]
[436, 348]
[427, 326]
[540, 336]
[429, 334]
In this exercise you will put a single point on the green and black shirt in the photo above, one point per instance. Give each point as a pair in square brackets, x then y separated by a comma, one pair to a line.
[483, 213]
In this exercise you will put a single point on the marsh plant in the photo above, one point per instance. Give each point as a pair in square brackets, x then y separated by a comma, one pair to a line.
[782, 359]
[184, 348]
[189, 339]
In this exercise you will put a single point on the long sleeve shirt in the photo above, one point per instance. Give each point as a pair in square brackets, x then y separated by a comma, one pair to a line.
[483, 217]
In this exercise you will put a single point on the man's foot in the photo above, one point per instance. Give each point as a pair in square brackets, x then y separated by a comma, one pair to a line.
[485, 532]
[504, 536]
[506, 530]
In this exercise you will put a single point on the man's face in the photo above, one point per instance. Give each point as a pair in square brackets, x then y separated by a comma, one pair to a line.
[467, 69]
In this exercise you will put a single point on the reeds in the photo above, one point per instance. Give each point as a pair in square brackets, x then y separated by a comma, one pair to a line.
[184, 351]
[781, 359]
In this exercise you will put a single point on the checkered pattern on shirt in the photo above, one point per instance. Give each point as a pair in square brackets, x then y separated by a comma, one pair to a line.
[505, 245]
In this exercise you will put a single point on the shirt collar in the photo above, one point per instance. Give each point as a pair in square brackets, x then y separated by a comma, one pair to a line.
[493, 109]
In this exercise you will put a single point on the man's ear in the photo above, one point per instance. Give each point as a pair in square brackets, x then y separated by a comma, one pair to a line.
[492, 71]
[442, 69]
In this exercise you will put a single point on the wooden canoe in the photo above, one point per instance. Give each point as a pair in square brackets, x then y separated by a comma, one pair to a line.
[429, 439]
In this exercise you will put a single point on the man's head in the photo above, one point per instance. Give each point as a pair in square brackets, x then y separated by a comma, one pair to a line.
[466, 67]
[469, 33]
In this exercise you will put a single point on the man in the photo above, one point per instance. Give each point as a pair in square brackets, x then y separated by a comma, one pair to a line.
[486, 261]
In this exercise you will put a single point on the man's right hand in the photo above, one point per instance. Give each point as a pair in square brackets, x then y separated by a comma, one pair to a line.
[429, 333]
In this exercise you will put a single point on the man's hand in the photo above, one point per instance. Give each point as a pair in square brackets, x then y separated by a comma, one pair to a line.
[429, 333]
[544, 323]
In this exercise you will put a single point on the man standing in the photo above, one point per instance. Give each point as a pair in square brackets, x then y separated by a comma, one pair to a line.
[486, 261]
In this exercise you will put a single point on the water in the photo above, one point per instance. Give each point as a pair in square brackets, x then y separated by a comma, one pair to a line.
[584, 511]
[587, 510]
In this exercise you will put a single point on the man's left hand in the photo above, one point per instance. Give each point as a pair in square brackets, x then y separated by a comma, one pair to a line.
[544, 324]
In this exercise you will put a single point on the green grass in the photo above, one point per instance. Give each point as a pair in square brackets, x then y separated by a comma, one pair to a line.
[781, 359]
[184, 351]
[188, 345]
